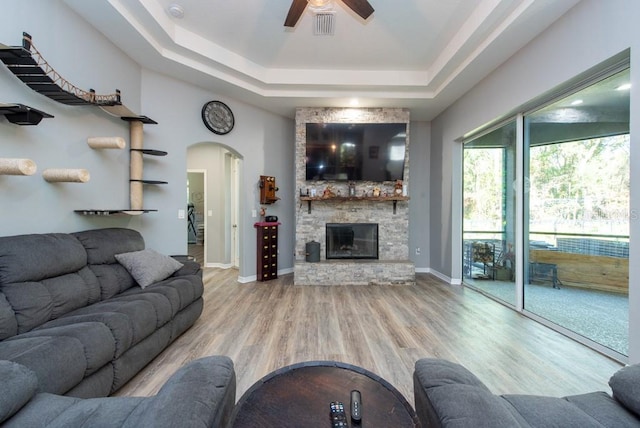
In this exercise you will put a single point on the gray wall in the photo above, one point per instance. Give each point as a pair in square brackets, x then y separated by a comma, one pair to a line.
[419, 232]
[587, 35]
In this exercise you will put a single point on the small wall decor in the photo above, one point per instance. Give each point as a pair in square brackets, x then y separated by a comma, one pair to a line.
[268, 189]
[218, 117]
[17, 167]
[54, 175]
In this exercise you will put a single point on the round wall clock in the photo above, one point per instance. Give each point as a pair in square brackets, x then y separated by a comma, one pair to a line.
[218, 117]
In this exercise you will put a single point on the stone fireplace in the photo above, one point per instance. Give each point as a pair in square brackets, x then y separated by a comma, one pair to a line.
[389, 263]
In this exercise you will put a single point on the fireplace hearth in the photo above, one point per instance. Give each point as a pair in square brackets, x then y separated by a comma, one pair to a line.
[352, 241]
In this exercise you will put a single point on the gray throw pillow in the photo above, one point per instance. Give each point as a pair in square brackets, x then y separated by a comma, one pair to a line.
[625, 384]
[148, 266]
[18, 384]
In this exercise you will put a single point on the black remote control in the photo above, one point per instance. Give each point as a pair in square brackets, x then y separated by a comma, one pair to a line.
[356, 406]
[338, 417]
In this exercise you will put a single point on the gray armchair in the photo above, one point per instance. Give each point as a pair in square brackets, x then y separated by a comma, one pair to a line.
[200, 394]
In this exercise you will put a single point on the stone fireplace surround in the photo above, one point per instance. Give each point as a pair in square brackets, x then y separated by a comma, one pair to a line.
[393, 265]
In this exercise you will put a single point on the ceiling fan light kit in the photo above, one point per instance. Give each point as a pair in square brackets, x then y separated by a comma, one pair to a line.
[362, 8]
[320, 5]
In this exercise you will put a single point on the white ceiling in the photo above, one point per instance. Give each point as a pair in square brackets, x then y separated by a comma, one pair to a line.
[418, 54]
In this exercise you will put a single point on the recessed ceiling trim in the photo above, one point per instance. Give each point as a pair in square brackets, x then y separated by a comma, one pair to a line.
[464, 36]
[198, 48]
[500, 29]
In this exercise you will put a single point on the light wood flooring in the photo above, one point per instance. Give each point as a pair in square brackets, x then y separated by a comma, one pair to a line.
[263, 326]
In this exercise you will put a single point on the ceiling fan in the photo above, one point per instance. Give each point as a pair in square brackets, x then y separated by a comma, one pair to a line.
[361, 7]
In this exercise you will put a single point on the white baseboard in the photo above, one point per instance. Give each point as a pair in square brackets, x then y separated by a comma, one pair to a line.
[245, 279]
[445, 278]
[219, 265]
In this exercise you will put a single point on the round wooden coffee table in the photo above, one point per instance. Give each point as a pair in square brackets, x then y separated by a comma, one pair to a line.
[299, 396]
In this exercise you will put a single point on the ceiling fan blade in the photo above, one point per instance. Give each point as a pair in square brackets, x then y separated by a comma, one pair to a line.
[295, 12]
[361, 7]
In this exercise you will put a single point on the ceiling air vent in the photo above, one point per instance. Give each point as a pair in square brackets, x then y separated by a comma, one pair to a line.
[324, 24]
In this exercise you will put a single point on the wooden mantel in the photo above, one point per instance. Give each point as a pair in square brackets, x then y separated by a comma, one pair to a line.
[338, 199]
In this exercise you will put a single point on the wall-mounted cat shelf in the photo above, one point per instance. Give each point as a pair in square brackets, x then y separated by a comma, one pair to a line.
[11, 166]
[29, 66]
[21, 114]
[62, 175]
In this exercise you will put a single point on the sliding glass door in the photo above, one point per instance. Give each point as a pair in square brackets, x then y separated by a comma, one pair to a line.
[563, 230]
[576, 205]
[489, 213]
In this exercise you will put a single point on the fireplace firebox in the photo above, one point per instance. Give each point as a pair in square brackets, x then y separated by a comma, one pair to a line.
[352, 241]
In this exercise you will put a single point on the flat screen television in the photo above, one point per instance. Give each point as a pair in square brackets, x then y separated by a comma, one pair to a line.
[355, 151]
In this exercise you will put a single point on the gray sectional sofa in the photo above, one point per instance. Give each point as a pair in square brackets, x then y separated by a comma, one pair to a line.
[81, 314]
[448, 395]
[76, 317]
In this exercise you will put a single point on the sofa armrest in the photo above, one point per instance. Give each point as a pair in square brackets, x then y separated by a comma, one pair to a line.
[200, 394]
[449, 395]
[189, 268]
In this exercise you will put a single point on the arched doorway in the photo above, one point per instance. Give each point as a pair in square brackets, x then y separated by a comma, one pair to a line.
[213, 172]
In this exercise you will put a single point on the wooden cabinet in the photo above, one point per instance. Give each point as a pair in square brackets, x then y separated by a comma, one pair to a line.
[267, 246]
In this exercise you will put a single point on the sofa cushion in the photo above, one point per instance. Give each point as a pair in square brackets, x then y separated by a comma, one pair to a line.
[113, 279]
[470, 406]
[102, 245]
[148, 266]
[550, 412]
[41, 278]
[625, 385]
[19, 384]
[54, 411]
[35, 303]
[163, 308]
[603, 408]
[98, 343]
[25, 258]
[58, 362]
[8, 321]
[118, 324]
[180, 291]
[140, 316]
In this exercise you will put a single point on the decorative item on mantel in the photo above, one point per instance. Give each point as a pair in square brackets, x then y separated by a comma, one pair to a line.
[352, 189]
[328, 192]
[397, 189]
